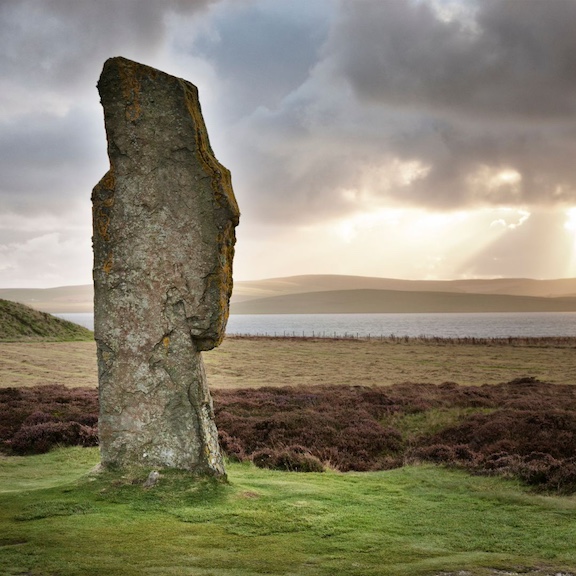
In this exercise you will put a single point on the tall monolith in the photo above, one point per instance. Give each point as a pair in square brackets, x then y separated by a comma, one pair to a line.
[164, 218]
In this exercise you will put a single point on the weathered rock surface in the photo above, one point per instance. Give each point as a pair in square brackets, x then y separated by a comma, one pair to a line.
[164, 218]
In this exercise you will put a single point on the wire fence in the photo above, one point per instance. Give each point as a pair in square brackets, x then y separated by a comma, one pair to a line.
[536, 341]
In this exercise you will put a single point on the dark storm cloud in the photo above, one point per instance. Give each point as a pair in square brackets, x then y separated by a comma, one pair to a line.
[264, 50]
[48, 162]
[465, 161]
[494, 92]
[510, 58]
[54, 44]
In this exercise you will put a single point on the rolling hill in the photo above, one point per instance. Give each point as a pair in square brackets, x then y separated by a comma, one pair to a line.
[61, 299]
[248, 290]
[22, 323]
[397, 301]
[338, 293]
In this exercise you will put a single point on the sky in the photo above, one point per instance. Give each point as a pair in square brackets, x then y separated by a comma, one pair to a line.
[420, 139]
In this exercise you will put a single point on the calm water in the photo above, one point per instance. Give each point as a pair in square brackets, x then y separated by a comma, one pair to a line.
[484, 325]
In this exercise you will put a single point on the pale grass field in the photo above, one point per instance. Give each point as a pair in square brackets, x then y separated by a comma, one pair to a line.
[255, 362]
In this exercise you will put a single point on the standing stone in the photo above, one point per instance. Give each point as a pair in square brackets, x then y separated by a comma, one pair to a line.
[164, 218]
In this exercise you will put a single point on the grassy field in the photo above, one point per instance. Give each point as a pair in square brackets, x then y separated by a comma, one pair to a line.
[421, 520]
[255, 362]
[57, 519]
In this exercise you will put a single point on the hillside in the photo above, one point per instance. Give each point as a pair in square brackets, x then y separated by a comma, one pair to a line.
[80, 298]
[251, 289]
[22, 323]
[60, 299]
[389, 301]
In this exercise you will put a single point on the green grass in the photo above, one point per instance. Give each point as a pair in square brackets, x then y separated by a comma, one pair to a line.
[411, 521]
[22, 323]
[431, 421]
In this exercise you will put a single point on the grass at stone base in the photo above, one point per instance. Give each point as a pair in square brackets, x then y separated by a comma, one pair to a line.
[418, 520]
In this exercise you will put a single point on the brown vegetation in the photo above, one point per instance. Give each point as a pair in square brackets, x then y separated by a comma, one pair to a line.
[255, 362]
[524, 428]
[33, 420]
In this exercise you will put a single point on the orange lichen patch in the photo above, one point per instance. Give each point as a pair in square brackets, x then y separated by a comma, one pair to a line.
[108, 181]
[102, 202]
[107, 266]
[130, 85]
[220, 176]
[131, 74]
[101, 224]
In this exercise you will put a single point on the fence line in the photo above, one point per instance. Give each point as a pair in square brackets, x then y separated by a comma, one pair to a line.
[549, 341]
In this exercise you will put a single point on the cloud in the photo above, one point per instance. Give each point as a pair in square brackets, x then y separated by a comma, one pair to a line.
[55, 44]
[262, 51]
[465, 96]
[50, 163]
[511, 59]
[326, 112]
[45, 260]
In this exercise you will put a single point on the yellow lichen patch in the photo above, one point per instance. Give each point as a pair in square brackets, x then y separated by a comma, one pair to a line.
[109, 181]
[166, 342]
[131, 74]
[101, 223]
[130, 84]
[219, 175]
[107, 266]
[219, 284]
[103, 200]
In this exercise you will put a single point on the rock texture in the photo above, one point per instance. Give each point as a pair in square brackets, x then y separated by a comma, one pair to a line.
[164, 218]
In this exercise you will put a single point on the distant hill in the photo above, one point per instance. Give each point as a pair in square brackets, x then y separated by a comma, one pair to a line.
[381, 301]
[248, 290]
[61, 299]
[22, 323]
[80, 298]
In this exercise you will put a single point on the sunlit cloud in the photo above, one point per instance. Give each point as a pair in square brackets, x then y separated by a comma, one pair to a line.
[426, 138]
[391, 242]
[42, 255]
[510, 218]
[498, 183]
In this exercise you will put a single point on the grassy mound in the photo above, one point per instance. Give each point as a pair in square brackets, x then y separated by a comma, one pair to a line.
[524, 429]
[22, 323]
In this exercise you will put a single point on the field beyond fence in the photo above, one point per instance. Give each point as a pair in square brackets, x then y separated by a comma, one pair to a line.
[251, 361]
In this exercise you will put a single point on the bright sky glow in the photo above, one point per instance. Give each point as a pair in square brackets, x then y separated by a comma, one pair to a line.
[413, 139]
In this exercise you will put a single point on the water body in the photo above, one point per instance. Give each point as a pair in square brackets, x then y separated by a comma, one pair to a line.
[456, 325]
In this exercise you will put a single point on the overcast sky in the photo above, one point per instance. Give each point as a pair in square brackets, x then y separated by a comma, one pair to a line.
[396, 138]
